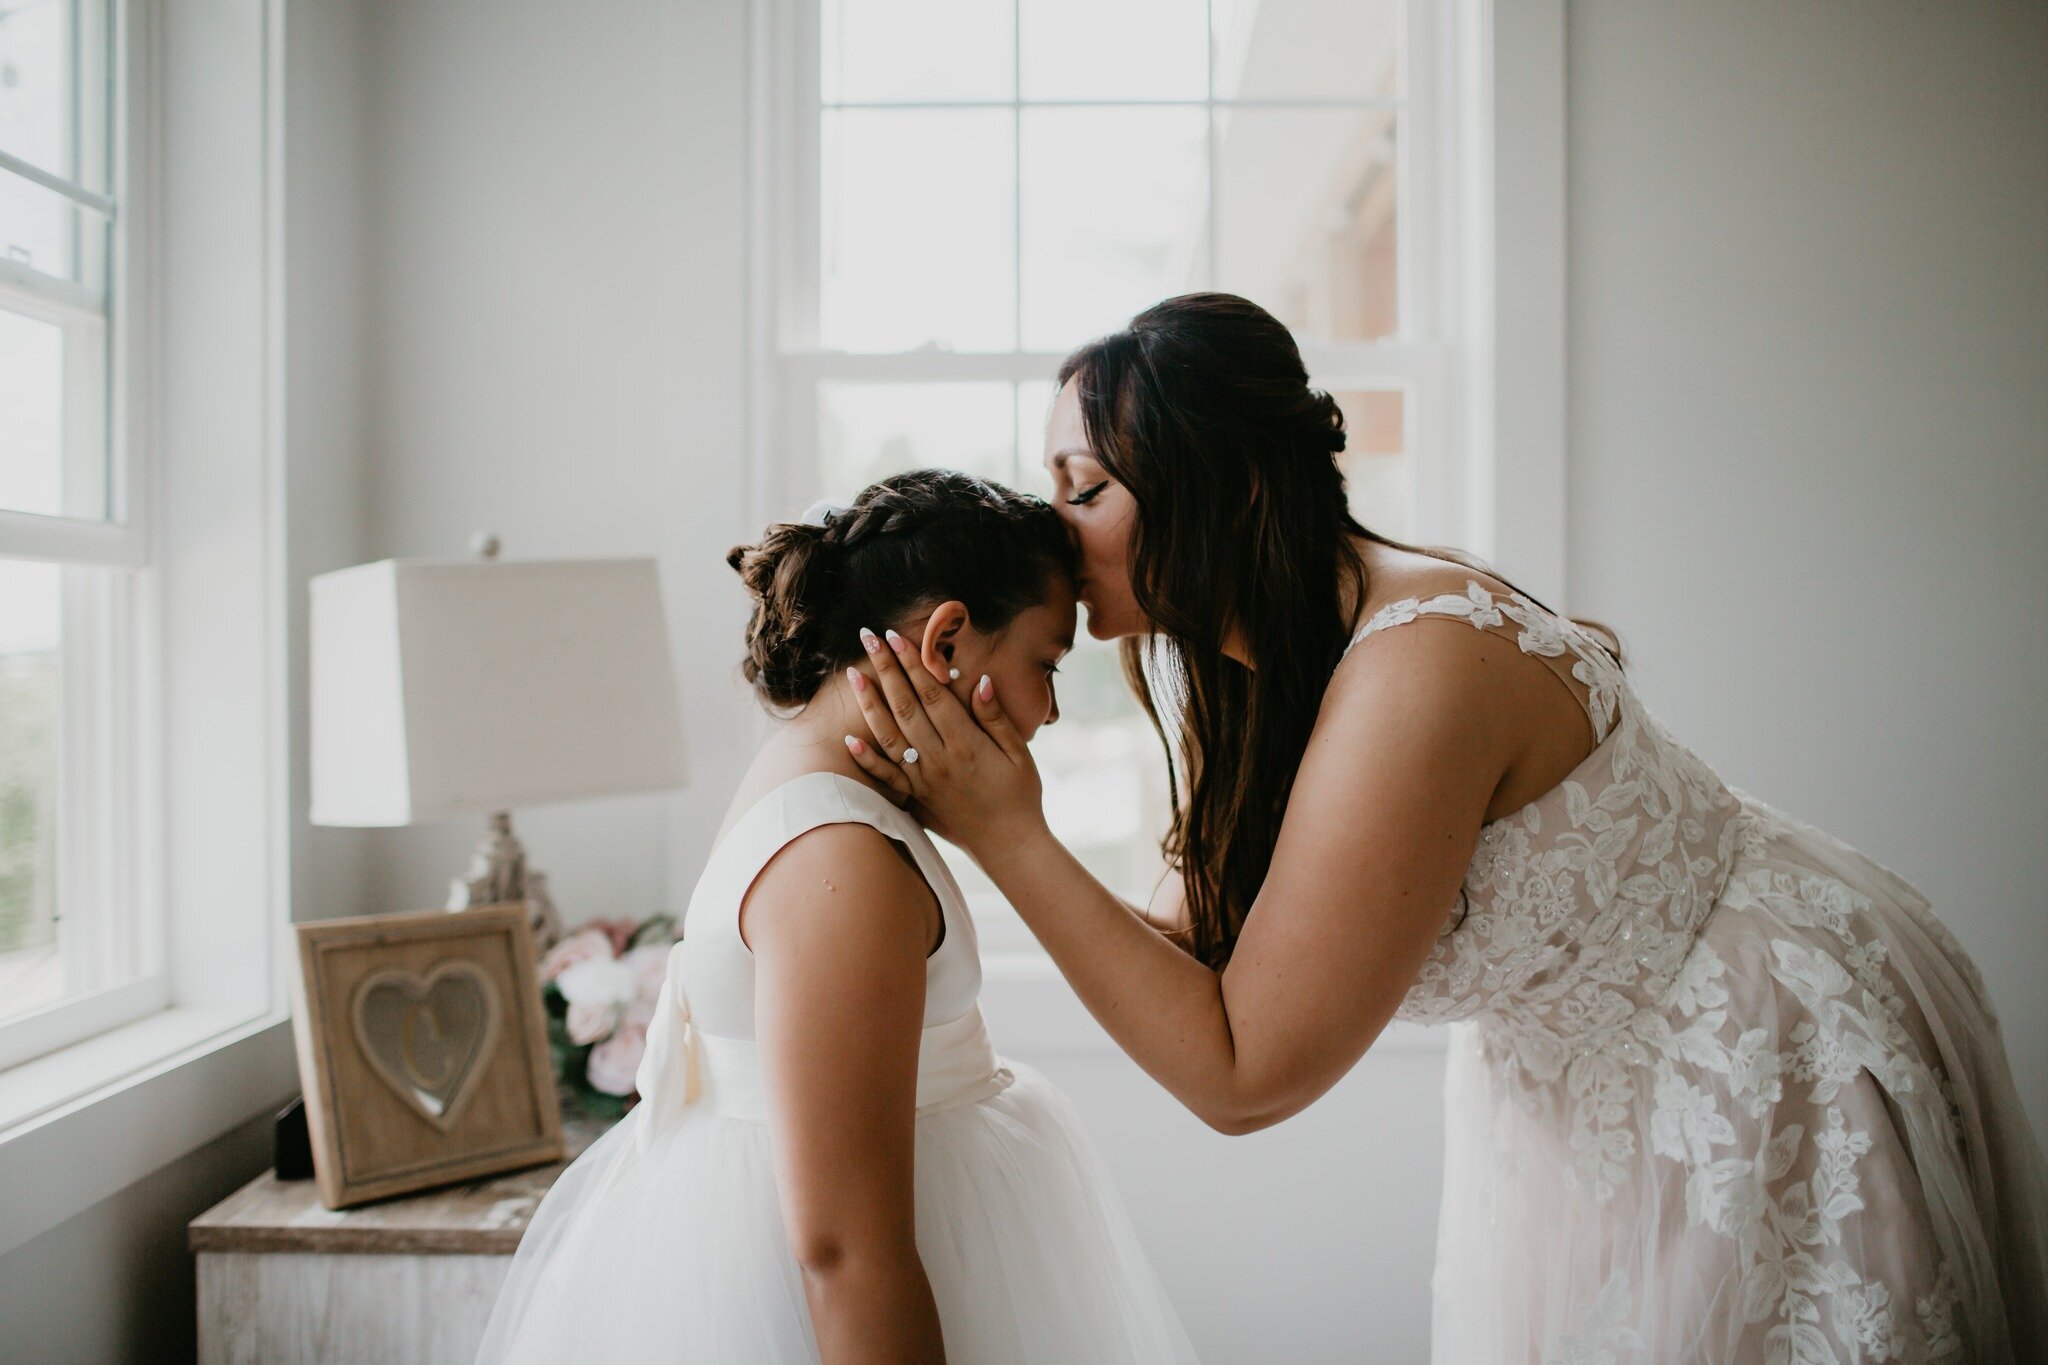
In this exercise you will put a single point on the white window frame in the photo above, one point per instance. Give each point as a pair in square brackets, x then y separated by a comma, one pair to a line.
[106, 836]
[789, 364]
[1482, 346]
[200, 404]
[1481, 354]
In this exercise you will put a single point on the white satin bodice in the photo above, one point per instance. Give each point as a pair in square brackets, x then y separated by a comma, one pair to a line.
[700, 1044]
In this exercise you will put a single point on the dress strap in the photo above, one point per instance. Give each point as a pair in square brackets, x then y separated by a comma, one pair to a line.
[1536, 631]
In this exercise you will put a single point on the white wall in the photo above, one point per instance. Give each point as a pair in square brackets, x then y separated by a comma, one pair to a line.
[115, 1283]
[326, 260]
[556, 228]
[1309, 1243]
[1809, 424]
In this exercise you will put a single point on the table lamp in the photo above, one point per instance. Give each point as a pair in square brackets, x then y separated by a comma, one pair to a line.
[448, 687]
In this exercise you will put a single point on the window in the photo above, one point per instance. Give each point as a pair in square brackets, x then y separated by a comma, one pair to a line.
[77, 951]
[957, 192]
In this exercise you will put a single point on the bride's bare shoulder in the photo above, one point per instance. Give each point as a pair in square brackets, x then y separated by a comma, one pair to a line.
[1396, 575]
[1472, 665]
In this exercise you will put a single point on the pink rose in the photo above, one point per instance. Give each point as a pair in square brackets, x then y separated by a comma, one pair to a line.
[616, 1061]
[649, 965]
[588, 1022]
[583, 944]
[620, 931]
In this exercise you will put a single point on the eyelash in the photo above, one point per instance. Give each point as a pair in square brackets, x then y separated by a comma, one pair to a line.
[1087, 496]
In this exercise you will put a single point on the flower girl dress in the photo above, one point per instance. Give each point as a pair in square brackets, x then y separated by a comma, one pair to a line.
[664, 1241]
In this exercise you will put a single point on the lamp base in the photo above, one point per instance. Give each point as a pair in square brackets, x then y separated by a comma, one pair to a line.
[498, 873]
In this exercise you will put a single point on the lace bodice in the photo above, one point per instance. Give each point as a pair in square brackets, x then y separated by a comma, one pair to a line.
[1578, 909]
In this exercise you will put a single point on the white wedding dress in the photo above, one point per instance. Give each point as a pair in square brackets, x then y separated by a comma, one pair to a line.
[1723, 1089]
[664, 1241]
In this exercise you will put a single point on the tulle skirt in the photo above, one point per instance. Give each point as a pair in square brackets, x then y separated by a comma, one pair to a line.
[1810, 1149]
[679, 1255]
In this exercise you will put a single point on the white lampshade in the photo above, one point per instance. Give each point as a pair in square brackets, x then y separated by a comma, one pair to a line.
[452, 687]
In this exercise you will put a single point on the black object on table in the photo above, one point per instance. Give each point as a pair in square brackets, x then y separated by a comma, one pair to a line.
[293, 1159]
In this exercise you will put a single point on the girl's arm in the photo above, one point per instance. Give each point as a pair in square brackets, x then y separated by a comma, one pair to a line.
[840, 926]
[1411, 743]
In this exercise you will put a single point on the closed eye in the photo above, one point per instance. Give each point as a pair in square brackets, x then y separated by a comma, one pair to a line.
[1087, 495]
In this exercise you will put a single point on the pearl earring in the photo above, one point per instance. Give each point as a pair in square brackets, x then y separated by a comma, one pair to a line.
[954, 674]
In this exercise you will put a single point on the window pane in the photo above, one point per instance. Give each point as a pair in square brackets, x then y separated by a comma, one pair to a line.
[31, 415]
[54, 60]
[1114, 205]
[1104, 773]
[1306, 203]
[31, 967]
[896, 50]
[868, 431]
[46, 232]
[917, 238]
[1378, 470]
[53, 452]
[1034, 407]
[1114, 49]
[1307, 49]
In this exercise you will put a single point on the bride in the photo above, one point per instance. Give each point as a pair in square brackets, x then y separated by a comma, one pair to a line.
[1723, 1088]
[828, 1159]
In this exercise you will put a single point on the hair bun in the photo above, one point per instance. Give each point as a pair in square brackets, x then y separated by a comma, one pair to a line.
[783, 574]
[929, 535]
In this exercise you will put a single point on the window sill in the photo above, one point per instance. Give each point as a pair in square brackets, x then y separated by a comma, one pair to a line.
[85, 1121]
[1031, 1010]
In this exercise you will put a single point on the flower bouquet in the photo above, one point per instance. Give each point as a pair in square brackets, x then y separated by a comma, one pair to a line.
[598, 987]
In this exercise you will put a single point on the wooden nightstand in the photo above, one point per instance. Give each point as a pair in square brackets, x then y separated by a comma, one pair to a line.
[407, 1281]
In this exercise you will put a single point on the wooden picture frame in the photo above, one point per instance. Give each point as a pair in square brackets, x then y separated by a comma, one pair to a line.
[423, 1051]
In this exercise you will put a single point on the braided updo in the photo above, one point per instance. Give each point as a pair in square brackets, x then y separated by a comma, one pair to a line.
[913, 540]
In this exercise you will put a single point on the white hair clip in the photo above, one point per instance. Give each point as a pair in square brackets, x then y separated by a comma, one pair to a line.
[817, 512]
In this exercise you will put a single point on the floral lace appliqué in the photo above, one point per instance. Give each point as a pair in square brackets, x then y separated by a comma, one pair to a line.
[1606, 1014]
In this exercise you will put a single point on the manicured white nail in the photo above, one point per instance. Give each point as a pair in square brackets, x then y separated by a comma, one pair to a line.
[985, 689]
[852, 744]
[868, 640]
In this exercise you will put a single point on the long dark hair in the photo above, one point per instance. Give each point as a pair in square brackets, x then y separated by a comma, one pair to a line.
[1201, 407]
[913, 540]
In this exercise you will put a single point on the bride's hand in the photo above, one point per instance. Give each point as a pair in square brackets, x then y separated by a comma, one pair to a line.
[972, 783]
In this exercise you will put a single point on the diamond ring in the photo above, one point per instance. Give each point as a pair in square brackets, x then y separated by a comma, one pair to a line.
[910, 755]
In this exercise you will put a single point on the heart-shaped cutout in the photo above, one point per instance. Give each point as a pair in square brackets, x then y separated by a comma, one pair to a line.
[428, 1036]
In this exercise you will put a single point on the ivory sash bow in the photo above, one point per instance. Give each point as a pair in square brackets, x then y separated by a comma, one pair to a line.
[671, 1074]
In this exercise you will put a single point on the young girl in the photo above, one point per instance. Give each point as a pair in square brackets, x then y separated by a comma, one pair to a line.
[829, 1160]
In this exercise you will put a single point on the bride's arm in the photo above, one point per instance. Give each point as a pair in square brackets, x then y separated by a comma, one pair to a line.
[1385, 812]
[840, 926]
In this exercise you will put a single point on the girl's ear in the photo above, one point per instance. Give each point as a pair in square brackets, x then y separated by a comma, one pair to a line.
[943, 630]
